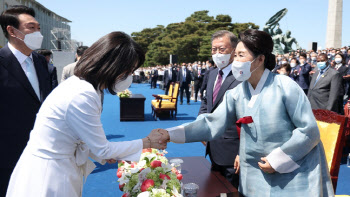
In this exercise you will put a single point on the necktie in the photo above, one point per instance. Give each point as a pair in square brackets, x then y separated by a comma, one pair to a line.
[218, 85]
[32, 77]
[244, 120]
[319, 76]
[184, 75]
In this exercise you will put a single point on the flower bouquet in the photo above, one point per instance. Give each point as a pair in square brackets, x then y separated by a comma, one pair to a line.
[152, 176]
[124, 94]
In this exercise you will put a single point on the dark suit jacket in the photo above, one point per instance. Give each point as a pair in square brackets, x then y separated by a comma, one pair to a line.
[53, 76]
[188, 77]
[18, 104]
[324, 94]
[224, 149]
[167, 78]
[154, 72]
[198, 78]
[302, 78]
[205, 79]
[343, 70]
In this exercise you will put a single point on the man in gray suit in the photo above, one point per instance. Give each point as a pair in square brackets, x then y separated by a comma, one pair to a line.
[325, 86]
[68, 70]
[222, 151]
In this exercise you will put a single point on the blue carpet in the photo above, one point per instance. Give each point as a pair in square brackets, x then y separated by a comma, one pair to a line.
[103, 180]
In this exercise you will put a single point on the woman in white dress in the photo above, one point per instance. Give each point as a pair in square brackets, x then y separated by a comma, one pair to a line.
[68, 129]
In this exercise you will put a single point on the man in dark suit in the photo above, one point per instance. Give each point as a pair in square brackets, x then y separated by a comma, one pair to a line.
[301, 73]
[184, 77]
[24, 84]
[198, 75]
[52, 70]
[154, 77]
[222, 151]
[205, 78]
[169, 77]
[325, 86]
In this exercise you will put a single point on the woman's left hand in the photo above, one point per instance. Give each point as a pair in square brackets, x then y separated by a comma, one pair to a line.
[265, 167]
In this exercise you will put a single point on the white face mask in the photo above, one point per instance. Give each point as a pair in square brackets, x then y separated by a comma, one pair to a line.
[293, 65]
[123, 85]
[338, 60]
[284, 62]
[241, 70]
[32, 40]
[221, 60]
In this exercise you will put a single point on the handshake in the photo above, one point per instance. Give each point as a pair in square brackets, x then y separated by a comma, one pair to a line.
[158, 138]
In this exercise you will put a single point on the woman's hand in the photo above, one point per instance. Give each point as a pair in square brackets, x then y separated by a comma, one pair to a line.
[111, 161]
[236, 164]
[266, 167]
[158, 138]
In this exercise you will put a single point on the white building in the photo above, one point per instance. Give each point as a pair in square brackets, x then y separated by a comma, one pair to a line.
[48, 21]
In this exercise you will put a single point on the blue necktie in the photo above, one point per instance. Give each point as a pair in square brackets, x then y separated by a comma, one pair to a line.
[31, 74]
[319, 76]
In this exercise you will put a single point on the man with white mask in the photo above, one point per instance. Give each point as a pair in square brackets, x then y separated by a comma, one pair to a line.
[24, 85]
[222, 151]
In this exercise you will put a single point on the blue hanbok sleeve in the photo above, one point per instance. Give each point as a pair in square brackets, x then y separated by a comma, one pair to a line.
[207, 126]
[305, 136]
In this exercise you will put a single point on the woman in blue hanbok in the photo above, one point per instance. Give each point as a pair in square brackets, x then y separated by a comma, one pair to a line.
[280, 149]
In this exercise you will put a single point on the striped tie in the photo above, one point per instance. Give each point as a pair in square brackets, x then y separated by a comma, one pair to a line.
[218, 85]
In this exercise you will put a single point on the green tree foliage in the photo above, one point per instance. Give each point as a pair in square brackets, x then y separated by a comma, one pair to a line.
[190, 39]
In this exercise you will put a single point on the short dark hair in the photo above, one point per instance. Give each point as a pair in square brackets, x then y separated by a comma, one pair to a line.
[44, 52]
[9, 17]
[303, 54]
[286, 66]
[112, 58]
[80, 50]
[230, 35]
[259, 43]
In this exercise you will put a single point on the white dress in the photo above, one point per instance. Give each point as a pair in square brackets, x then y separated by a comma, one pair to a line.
[67, 131]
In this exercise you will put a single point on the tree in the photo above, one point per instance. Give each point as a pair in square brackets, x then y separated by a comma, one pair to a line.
[190, 39]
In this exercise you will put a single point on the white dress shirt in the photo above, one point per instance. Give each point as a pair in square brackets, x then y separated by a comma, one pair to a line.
[20, 57]
[226, 71]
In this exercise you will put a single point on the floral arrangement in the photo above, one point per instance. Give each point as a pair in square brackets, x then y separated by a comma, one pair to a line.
[124, 94]
[152, 176]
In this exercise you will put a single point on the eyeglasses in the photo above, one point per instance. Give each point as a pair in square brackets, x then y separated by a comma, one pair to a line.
[221, 50]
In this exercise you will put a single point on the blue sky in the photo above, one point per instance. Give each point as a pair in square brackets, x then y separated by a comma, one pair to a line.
[91, 19]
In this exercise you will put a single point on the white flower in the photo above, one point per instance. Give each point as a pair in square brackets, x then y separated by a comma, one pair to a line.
[134, 170]
[144, 194]
[141, 164]
[166, 167]
[143, 173]
[163, 186]
[176, 193]
[150, 156]
[137, 187]
[160, 192]
[124, 178]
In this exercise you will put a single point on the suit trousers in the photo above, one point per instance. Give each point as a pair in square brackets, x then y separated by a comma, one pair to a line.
[197, 87]
[153, 82]
[167, 86]
[227, 171]
[5, 174]
[184, 86]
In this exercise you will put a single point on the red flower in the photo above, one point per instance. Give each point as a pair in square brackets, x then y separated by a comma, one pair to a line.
[120, 174]
[126, 195]
[163, 176]
[147, 184]
[156, 163]
[179, 177]
[121, 187]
